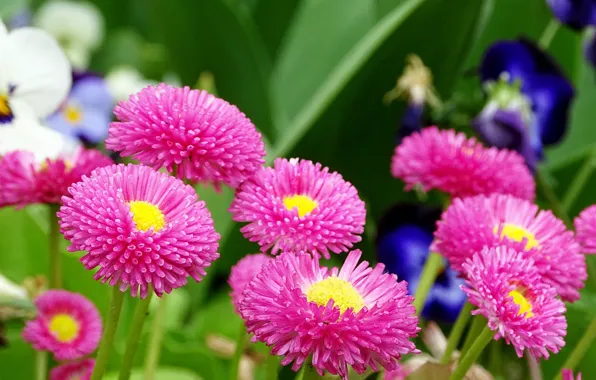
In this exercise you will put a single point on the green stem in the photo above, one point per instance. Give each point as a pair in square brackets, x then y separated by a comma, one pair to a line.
[457, 331]
[41, 365]
[470, 357]
[549, 33]
[157, 332]
[53, 246]
[240, 344]
[582, 176]
[478, 324]
[105, 346]
[134, 336]
[307, 372]
[580, 348]
[551, 198]
[272, 367]
[495, 362]
[433, 264]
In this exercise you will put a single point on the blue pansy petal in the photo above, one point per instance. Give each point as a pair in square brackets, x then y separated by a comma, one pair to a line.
[590, 50]
[543, 62]
[506, 56]
[93, 128]
[411, 121]
[446, 301]
[92, 92]
[58, 122]
[576, 14]
[501, 128]
[404, 251]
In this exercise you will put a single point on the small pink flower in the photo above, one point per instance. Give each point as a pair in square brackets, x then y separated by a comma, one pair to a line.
[243, 272]
[80, 370]
[567, 374]
[470, 224]
[142, 228]
[507, 289]
[299, 206]
[207, 139]
[585, 227]
[67, 324]
[400, 373]
[461, 166]
[355, 316]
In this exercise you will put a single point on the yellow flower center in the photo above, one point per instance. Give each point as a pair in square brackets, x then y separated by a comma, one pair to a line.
[517, 233]
[303, 203]
[64, 327]
[340, 291]
[146, 216]
[525, 307]
[4, 106]
[73, 114]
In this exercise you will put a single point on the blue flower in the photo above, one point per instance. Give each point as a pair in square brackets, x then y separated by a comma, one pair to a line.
[87, 112]
[576, 14]
[404, 237]
[411, 121]
[528, 99]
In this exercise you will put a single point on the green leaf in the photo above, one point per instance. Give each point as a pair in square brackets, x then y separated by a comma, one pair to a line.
[273, 17]
[160, 374]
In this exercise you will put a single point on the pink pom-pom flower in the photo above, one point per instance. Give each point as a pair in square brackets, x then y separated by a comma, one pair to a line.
[80, 370]
[507, 289]
[67, 324]
[449, 161]
[585, 229]
[23, 181]
[243, 272]
[299, 206]
[470, 224]
[141, 228]
[206, 138]
[567, 374]
[355, 316]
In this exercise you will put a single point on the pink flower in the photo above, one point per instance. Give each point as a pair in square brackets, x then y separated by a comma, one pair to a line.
[243, 272]
[470, 224]
[585, 227]
[450, 162]
[67, 324]
[80, 370]
[567, 374]
[23, 181]
[207, 139]
[400, 373]
[357, 315]
[299, 206]
[507, 289]
[141, 228]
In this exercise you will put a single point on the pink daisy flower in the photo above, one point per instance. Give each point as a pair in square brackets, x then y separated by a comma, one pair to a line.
[205, 138]
[400, 373]
[567, 374]
[243, 272]
[299, 206]
[80, 370]
[470, 224]
[67, 324]
[355, 316]
[23, 181]
[507, 289]
[140, 227]
[461, 166]
[585, 229]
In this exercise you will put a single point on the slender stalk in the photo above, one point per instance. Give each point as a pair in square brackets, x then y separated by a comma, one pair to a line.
[133, 336]
[433, 264]
[272, 367]
[549, 33]
[551, 198]
[580, 348]
[470, 357]
[41, 365]
[307, 372]
[157, 332]
[457, 331]
[581, 178]
[478, 324]
[105, 346]
[496, 359]
[53, 246]
[240, 344]
[533, 367]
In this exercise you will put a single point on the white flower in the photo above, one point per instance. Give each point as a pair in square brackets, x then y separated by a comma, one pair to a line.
[9, 290]
[123, 81]
[78, 26]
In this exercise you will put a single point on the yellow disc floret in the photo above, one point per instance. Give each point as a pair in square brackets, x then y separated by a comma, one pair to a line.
[303, 203]
[64, 327]
[73, 114]
[4, 106]
[146, 216]
[340, 291]
[517, 233]
[525, 307]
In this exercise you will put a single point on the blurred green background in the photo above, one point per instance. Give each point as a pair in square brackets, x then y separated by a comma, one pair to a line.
[311, 74]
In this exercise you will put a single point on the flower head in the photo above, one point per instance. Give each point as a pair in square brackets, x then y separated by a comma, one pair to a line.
[243, 272]
[141, 228]
[506, 287]
[80, 370]
[299, 206]
[577, 14]
[567, 374]
[585, 227]
[470, 224]
[67, 324]
[403, 244]
[206, 138]
[355, 316]
[448, 161]
[23, 181]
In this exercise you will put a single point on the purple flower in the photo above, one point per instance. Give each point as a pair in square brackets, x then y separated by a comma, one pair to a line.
[577, 14]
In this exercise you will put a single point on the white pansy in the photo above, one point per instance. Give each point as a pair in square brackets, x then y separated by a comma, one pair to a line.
[123, 81]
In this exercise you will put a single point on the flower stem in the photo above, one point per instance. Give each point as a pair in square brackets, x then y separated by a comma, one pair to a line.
[478, 324]
[105, 346]
[41, 365]
[457, 331]
[133, 336]
[272, 367]
[241, 342]
[433, 264]
[53, 246]
[157, 332]
[470, 357]
[307, 372]
[548, 34]
[551, 198]
[582, 176]
[580, 348]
